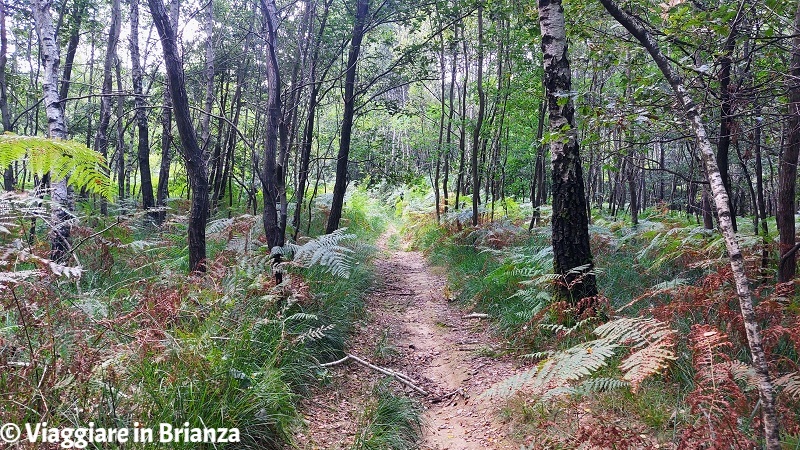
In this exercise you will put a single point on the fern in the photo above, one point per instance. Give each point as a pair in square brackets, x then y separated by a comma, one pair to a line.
[717, 401]
[790, 384]
[651, 340]
[587, 387]
[325, 251]
[81, 166]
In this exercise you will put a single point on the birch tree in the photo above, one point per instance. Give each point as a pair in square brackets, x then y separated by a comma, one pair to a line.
[692, 113]
[57, 129]
[572, 254]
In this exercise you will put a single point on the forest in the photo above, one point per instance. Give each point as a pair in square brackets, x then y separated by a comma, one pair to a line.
[380, 224]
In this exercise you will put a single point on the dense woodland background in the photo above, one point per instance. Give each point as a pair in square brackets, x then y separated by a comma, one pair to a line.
[231, 140]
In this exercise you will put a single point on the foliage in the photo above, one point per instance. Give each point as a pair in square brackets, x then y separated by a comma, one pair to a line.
[649, 341]
[227, 350]
[81, 166]
[324, 251]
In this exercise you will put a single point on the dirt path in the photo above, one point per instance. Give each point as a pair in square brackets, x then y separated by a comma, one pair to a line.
[413, 328]
[442, 348]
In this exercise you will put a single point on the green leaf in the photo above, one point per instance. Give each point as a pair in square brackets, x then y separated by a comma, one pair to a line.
[83, 167]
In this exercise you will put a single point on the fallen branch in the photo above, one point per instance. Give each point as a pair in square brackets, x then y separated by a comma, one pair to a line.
[476, 316]
[459, 391]
[396, 375]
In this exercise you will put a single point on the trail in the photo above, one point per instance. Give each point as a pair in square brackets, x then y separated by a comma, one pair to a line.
[441, 347]
[434, 344]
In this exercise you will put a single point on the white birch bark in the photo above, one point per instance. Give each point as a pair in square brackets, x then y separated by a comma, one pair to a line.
[60, 216]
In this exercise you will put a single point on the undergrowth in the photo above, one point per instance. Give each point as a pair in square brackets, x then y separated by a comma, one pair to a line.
[125, 336]
[389, 422]
[667, 289]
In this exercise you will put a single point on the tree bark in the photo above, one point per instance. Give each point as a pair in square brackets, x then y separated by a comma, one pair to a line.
[60, 216]
[765, 388]
[268, 173]
[572, 255]
[787, 172]
[101, 136]
[308, 133]
[339, 187]
[726, 111]
[205, 119]
[143, 149]
[476, 133]
[449, 139]
[192, 153]
[537, 186]
[162, 191]
[462, 139]
[8, 173]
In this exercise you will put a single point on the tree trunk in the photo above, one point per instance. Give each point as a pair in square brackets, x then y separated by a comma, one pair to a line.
[8, 173]
[362, 11]
[101, 137]
[462, 140]
[450, 111]
[192, 153]
[76, 17]
[538, 170]
[765, 388]
[762, 210]
[121, 174]
[62, 202]
[787, 173]
[143, 149]
[726, 112]
[631, 175]
[440, 141]
[162, 191]
[572, 255]
[268, 173]
[476, 133]
[205, 119]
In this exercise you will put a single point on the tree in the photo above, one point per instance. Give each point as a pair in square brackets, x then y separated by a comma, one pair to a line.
[101, 138]
[143, 148]
[5, 116]
[476, 133]
[787, 173]
[192, 153]
[308, 134]
[362, 11]
[162, 190]
[572, 254]
[57, 129]
[268, 173]
[691, 110]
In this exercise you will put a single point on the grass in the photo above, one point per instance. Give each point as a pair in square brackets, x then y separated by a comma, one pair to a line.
[390, 422]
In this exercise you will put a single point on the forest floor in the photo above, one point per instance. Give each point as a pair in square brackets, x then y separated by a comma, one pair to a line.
[412, 327]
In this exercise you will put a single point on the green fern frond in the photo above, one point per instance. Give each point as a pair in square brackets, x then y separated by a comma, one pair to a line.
[80, 165]
[325, 251]
[652, 340]
[314, 334]
[587, 387]
[301, 316]
[578, 361]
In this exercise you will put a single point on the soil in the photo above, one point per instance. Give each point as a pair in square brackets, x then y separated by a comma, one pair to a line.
[412, 327]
